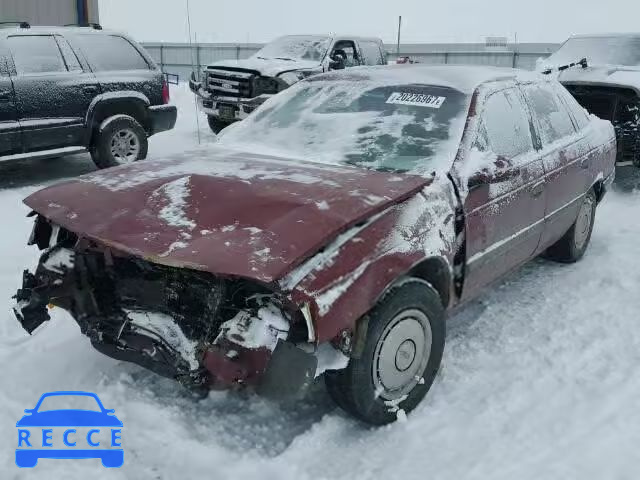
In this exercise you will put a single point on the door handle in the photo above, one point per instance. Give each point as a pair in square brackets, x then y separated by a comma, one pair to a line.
[90, 89]
[537, 189]
[585, 163]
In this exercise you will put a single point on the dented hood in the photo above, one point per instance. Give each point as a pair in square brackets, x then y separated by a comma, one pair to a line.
[222, 211]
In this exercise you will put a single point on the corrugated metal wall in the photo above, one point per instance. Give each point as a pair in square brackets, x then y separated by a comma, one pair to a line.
[178, 58]
[46, 12]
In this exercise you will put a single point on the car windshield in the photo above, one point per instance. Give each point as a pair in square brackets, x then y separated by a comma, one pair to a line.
[357, 122]
[69, 402]
[598, 51]
[296, 47]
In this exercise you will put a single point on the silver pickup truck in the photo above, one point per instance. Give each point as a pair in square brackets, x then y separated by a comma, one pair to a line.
[230, 90]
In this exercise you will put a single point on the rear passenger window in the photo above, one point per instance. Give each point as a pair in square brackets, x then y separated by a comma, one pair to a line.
[505, 126]
[579, 113]
[553, 119]
[73, 65]
[371, 52]
[34, 54]
[110, 52]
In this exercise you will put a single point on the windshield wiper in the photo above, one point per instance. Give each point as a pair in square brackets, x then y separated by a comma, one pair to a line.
[582, 63]
[262, 58]
[285, 58]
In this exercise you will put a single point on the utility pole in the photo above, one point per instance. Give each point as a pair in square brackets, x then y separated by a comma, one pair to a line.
[399, 30]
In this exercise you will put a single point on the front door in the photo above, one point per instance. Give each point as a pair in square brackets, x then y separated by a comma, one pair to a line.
[505, 203]
[9, 126]
[53, 91]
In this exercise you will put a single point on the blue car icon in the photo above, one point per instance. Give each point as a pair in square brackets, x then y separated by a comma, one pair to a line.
[28, 451]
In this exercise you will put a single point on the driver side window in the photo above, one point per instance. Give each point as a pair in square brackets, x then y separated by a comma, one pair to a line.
[347, 50]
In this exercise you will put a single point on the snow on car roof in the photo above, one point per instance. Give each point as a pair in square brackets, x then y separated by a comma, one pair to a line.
[458, 77]
[607, 35]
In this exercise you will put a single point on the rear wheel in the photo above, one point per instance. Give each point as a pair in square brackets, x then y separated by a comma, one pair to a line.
[401, 357]
[119, 141]
[216, 125]
[571, 247]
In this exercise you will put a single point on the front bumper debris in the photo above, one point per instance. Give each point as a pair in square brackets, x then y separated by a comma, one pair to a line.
[197, 329]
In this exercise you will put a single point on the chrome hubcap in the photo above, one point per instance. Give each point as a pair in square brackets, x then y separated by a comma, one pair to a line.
[583, 223]
[125, 146]
[401, 354]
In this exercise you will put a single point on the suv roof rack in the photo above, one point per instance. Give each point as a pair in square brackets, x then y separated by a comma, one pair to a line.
[15, 24]
[95, 26]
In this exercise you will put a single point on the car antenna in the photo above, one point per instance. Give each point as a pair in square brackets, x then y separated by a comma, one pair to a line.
[193, 70]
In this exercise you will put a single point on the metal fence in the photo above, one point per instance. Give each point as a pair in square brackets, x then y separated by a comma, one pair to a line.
[180, 58]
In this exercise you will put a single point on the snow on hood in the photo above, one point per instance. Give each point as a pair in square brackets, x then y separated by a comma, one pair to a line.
[221, 211]
[268, 67]
[602, 75]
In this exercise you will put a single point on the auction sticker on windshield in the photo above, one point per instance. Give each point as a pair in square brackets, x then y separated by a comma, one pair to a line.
[416, 99]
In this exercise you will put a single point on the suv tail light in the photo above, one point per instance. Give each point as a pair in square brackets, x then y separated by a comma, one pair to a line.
[166, 97]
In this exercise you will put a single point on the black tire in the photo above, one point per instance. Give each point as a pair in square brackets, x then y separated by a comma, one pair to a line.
[358, 388]
[216, 125]
[571, 247]
[106, 150]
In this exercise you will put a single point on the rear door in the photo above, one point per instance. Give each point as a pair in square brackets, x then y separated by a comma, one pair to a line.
[53, 91]
[120, 65]
[10, 141]
[505, 203]
[566, 154]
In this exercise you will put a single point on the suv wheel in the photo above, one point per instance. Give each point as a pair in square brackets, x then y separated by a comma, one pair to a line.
[571, 247]
[120, 140]
[216, 125]
[401, 356]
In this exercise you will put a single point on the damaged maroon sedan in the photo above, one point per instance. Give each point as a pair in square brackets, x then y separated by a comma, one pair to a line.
[331, 231]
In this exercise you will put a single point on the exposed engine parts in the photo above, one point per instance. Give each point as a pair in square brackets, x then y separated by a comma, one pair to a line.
[620, 106]
[177, 322]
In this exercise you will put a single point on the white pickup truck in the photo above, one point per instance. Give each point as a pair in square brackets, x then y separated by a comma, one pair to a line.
[230, 90]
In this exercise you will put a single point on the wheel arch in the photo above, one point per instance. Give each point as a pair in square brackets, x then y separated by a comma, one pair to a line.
[133, 104]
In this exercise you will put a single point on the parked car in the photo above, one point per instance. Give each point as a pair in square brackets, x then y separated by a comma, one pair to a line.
[603, 73]
[67, 90]
[332, 230]
[230, 90]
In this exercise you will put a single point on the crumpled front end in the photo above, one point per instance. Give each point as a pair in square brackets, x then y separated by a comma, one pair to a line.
[202, 330]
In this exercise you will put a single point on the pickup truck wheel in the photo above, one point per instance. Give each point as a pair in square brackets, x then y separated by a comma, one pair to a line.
[119, 140]
[571, 247]
[400, 359]
[216, 125]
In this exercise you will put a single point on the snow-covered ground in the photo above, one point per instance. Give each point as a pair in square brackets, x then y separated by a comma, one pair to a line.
[540, 380]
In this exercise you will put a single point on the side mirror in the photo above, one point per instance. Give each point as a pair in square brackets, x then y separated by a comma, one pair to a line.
[194, 84]
[28, 410]
[501, 171]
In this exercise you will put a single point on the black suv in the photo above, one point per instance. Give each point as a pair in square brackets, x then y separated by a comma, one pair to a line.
[70, 89]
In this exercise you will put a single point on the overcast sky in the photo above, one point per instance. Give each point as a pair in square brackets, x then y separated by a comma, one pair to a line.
[423, 20]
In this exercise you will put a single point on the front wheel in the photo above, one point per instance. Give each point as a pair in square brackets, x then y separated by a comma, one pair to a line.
[401, 356]
[572, 246]
[216, 125]
[119, 140]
